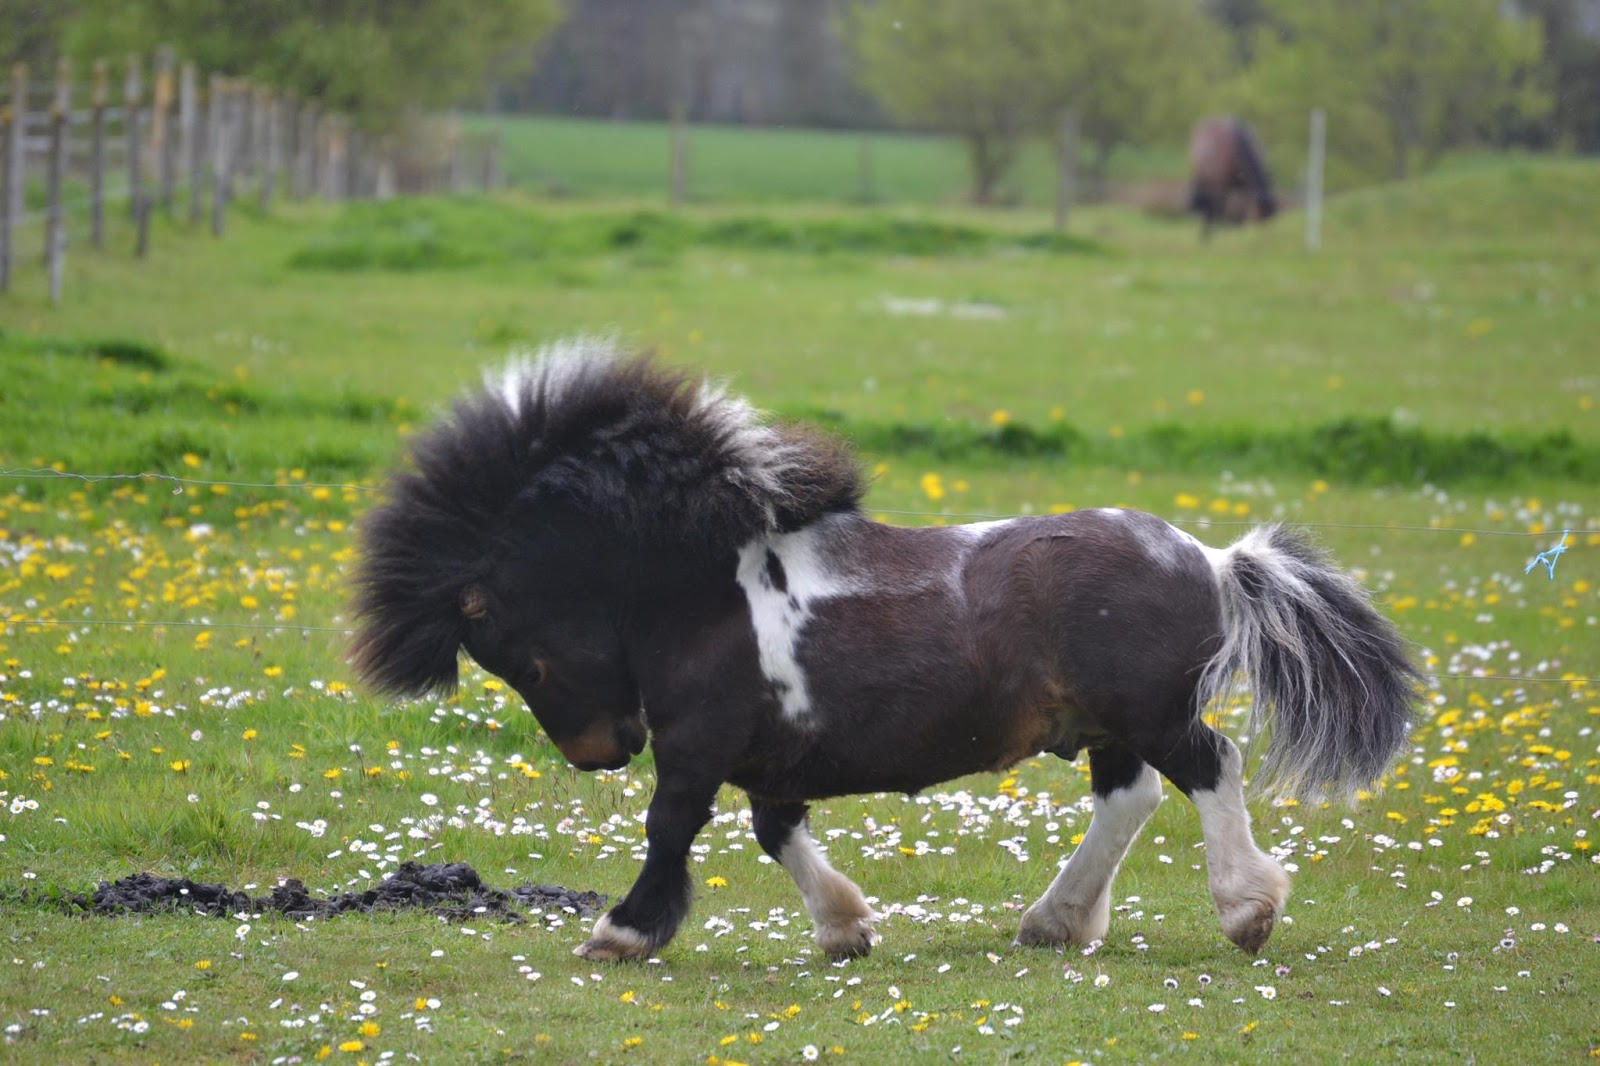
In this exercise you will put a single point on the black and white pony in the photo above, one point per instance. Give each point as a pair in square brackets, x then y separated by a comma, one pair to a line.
[643, 557]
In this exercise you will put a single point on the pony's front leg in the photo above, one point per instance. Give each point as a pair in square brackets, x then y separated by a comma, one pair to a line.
[659, 900]
[838, 910]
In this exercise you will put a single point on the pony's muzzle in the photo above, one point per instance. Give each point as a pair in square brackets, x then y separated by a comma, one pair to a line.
[605, 745]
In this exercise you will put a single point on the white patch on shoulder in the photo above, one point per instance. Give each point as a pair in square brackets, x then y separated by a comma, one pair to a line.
[979, 530]
[1111, 512]
[1164, 542]
[782, 599]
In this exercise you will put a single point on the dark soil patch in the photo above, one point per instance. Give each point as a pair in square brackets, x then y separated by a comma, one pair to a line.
[453, 891]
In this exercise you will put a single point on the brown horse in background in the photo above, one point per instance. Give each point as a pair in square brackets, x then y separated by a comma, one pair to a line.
[1229, 181]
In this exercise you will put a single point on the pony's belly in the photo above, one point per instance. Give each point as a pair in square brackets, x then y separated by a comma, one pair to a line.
[913, 756]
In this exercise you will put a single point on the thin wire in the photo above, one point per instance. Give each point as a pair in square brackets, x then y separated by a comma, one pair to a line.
[1515, 677]
[348, 632]
[196, 625]
[1214, 522]
[45, 473]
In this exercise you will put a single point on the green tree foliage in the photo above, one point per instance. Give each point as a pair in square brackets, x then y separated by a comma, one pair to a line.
[30, 30]
[999, 71]
[974, 70]
[1134, 71]
[372, 57]
[1572, 51]
[1401, 80]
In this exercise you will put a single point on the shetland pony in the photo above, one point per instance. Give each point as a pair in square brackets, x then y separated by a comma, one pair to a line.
[646, 559]
[1228, 175]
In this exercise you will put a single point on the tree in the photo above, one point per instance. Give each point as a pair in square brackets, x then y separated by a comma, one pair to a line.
[975, 70]
[1572, 50]
[1133, 71]
[372, 57]
[999, 71]
[1401, 80]
[29, 32]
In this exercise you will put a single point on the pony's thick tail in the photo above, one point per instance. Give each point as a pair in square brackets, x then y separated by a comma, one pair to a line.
[1331, 672]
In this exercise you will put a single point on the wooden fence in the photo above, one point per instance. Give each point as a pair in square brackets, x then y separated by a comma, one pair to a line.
[73, 147]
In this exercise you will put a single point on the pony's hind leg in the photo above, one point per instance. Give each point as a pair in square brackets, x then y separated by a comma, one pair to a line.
[1247, 885]
[1076, 908]
[838, 910]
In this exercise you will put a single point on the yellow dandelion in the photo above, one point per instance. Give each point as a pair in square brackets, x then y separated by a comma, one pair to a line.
[717, 882]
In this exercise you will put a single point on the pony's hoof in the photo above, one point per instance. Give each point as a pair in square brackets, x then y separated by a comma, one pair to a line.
[851, 941]
[1250, 928]
[613, 943]
[1043, 927]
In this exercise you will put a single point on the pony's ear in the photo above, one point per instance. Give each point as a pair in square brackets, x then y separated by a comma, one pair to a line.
[474, 602]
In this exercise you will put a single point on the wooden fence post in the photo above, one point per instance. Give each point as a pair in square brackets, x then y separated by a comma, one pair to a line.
[217, 142]
[355, 179]
[865, 191]
[287, 121]
[680, 154]
[189, 138]
[162, 142]
[384, 183]
[333, 165]
[272, 147]
[241, 131]
[55, 229]
[458, 158]
[491, 163]
[1316, 152]
[132, 90]
[1066, 165]
[310, 141]
[13, 119]
[98, 90]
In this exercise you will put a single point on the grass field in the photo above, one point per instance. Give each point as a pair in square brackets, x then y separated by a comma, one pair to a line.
[609, 160]
[1449, 917]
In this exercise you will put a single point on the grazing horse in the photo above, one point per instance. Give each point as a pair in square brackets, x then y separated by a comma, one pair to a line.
[644, 557]
[1229, 180]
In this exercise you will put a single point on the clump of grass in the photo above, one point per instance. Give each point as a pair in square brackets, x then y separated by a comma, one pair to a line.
[136, 409]
[1353, 450]
[125, 352]
[418, 235]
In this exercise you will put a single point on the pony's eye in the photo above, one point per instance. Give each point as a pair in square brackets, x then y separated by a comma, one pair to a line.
[539, 672]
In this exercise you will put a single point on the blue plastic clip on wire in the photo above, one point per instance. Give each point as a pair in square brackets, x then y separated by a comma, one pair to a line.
[1549, 558]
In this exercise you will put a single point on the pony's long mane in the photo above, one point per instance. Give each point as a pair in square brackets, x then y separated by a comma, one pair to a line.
[662, 458]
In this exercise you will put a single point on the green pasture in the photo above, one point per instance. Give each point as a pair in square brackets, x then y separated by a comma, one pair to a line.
[583, 159]
[1448, 327]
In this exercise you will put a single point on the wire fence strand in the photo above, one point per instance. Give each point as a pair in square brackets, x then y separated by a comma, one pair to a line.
[46, 473]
